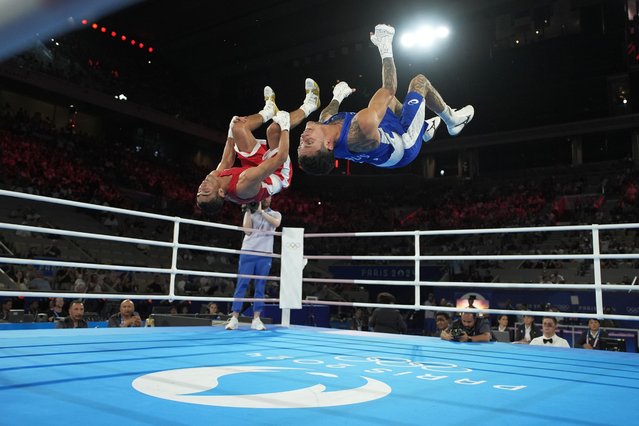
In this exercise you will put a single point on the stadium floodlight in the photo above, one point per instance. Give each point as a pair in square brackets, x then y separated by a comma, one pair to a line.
[443, 31]
[408, 40]
[425, 36]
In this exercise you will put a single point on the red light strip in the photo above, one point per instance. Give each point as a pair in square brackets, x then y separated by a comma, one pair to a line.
[123, 37]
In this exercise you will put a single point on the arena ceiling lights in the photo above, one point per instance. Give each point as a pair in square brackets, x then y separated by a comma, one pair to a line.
[114, 34]
[424, 37]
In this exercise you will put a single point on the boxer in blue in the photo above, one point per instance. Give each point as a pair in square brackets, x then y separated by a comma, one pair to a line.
[385, 134]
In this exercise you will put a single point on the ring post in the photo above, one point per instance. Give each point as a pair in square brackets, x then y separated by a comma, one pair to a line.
[291, 272]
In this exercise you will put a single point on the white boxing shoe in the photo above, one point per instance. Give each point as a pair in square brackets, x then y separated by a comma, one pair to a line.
[462, 117]
[312, 92]
[270, 108]
[432, 125]
[312, 99]
[257, 324]
[232, 324]
[269, 94]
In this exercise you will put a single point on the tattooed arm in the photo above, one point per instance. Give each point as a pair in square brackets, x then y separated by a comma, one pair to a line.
[389, 75]
[340, 92]
[364, 135]
[330, 110]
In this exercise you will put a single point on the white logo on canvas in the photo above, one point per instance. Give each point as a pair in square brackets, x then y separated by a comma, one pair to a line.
[180, 385]
[413, 102]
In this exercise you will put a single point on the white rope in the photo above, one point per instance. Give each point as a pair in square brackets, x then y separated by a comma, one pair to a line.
[477, 231]
[455, 310]
[536, 286]
[481, 257]
[596, 257]
[107, 237]
[19, 261]
[111, 296]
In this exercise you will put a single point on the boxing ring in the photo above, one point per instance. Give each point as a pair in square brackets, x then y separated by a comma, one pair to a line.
[310, 375]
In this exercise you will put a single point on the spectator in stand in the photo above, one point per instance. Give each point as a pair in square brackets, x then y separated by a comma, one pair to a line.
[64, 279]
[7, 304]
[502, 325]
[442, 322]
[387, 320]
[34, 308]
[527, 331]
[52, 250]
[184, 308]
[592, 338]
[39, 283]
[57, 311]
[20, 280]
[127, 317]
[75, 318]
[549, 337]
[157, 285]
[360, 320]
[214, 311]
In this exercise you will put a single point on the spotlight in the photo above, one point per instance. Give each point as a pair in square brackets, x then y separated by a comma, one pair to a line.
[408, 40]
[442, 31]
[425, 36]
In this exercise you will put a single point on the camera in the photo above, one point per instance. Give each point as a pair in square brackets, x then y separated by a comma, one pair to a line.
[252, 207]
[457, 332]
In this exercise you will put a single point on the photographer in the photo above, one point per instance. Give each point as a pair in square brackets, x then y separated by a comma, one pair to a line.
[469, 328]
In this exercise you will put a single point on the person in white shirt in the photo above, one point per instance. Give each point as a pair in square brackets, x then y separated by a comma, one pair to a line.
[549, 338]
[259, 217]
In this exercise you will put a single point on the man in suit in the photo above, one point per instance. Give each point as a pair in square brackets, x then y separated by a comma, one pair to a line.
[549, 338]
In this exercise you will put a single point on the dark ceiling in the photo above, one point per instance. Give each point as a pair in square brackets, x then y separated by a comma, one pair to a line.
[227, 51]
[225, 38]
[244, 46]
